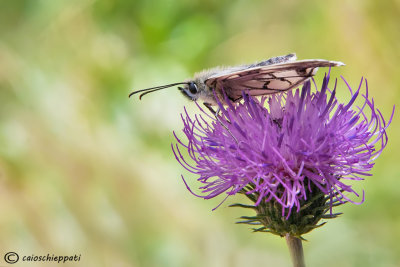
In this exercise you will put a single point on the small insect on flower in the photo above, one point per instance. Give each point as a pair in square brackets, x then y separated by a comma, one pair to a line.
[275, 75]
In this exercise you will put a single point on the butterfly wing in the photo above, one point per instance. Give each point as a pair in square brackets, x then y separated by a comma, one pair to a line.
[270, 79]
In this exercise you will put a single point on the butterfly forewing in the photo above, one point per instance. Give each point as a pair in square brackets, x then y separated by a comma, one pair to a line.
[268, 79]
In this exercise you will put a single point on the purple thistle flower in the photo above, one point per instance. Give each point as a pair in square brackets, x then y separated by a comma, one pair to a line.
[300, 142]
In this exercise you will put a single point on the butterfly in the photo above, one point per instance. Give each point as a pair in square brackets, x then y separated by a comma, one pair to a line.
[271, 76]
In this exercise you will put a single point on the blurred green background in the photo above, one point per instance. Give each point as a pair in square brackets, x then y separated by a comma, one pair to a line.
[85, 170]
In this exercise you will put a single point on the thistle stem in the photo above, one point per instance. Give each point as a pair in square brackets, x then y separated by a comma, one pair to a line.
[296, 250]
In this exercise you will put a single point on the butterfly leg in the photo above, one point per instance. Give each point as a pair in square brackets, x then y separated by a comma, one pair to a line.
[216, 114]
[209, 107]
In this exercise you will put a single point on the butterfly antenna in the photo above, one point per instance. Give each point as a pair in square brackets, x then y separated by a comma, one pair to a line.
[148, 92]
[153, 89]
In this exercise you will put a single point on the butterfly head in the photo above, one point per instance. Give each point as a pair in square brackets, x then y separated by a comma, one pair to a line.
[190, 90]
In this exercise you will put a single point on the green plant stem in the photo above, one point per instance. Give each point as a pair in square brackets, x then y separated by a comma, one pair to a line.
[296, 250]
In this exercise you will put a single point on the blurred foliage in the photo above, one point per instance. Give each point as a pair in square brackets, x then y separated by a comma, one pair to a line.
[85, 170]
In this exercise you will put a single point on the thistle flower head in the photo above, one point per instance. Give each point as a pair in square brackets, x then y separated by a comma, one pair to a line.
[286, 148]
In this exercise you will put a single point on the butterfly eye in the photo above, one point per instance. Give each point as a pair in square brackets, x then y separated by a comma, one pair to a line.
[192, 87]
